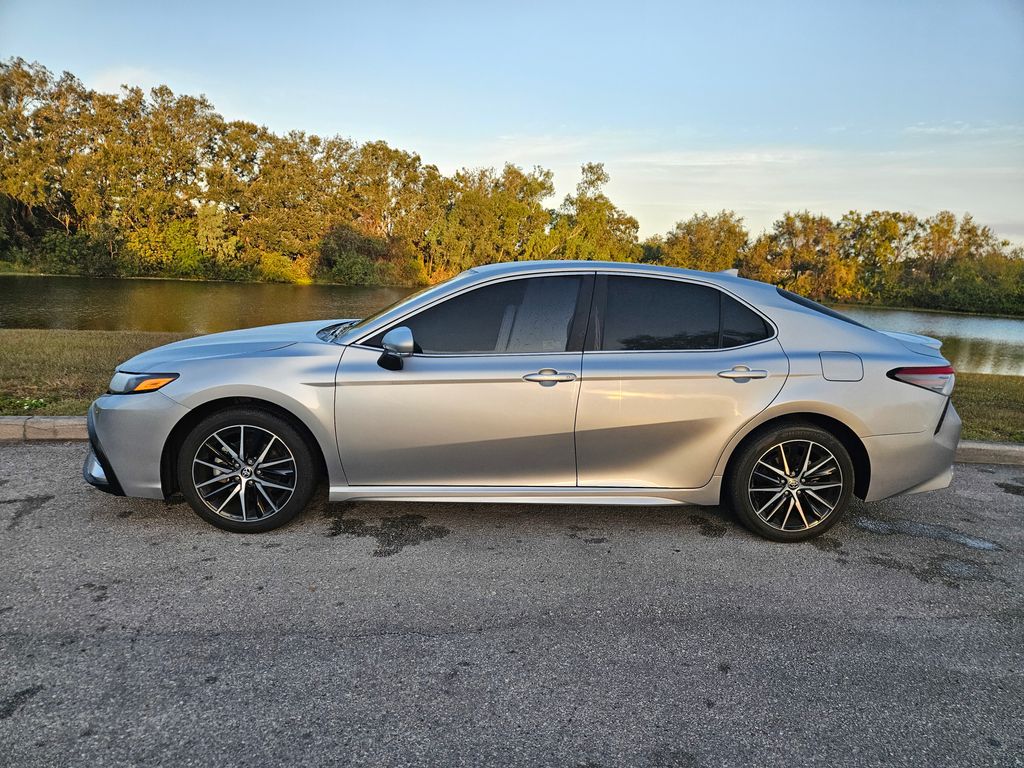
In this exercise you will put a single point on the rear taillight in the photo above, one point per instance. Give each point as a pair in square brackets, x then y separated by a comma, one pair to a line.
[937, 378]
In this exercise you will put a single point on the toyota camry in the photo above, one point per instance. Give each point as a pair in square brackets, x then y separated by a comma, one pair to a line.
[546, 382]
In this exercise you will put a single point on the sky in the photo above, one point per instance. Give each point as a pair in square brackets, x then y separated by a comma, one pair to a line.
[757, 107]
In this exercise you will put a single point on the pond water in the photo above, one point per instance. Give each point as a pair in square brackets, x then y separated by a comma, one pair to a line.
[177, 306]
[974, 343]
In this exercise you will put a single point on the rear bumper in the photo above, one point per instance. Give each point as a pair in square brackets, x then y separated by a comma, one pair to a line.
[915, 462]
[127, 434]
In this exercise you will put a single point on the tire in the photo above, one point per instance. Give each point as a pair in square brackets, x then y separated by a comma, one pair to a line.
[274, 481]
[799, 505]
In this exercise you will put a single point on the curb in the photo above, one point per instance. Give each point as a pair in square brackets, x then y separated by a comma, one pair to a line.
[20, 428]
[43, 428]
[975, 452]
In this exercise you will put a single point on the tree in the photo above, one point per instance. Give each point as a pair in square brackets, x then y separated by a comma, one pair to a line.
[489, 217]
[880, 243]
[157, 183]
[706, 242]
[803, 253]
[588, 226]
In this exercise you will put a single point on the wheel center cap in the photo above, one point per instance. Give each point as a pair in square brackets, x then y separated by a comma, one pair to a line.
[246, 472]
[794, 484]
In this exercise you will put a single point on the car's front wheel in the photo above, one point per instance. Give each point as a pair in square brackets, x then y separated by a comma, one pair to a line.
[791, 483]
[246, 470]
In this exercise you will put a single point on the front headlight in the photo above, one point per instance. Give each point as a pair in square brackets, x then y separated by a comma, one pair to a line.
[129, 383]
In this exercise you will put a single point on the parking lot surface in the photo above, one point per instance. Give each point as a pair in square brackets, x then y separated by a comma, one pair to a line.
[132, 633]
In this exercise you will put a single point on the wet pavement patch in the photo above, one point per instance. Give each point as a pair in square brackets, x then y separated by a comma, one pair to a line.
[14, 702]
[831, 546]
[827, 544]
[576, 533]
[25, 506]
[1016, 490]
[97, 591]
[923, 530]
[393, 534]
[948, 570]
[712, 529]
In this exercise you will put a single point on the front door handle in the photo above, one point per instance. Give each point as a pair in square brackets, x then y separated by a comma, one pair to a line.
[743, 372]
[548, 376]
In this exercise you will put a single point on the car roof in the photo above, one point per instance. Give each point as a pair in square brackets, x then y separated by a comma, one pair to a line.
[526, 267]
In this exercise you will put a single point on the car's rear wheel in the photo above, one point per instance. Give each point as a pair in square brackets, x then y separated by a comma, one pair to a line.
[791, 483]
[246, 470]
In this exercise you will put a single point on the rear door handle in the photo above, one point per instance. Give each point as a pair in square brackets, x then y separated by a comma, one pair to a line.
[549, 376]
[743, 372]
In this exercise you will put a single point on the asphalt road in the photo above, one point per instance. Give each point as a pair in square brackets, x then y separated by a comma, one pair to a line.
[440, 635]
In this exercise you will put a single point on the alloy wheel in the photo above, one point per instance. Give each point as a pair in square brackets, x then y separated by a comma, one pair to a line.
[795, 485]
[244, 473]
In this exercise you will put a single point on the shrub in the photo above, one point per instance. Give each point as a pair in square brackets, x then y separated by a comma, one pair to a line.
[275, 268]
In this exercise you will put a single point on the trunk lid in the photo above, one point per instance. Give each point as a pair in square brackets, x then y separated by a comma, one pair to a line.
[922, 345]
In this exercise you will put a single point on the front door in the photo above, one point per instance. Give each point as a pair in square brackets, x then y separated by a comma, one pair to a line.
[488, 399]
[672, 370]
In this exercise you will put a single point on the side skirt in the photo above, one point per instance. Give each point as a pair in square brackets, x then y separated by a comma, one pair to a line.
[708, 495]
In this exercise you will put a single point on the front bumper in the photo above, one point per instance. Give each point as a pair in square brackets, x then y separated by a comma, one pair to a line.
[97, 470]
[127, 434]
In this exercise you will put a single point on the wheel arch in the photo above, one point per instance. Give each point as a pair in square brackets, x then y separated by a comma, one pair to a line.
[169, 454]
[838, 429]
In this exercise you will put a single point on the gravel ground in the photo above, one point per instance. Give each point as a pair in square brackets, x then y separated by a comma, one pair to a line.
[132, 633]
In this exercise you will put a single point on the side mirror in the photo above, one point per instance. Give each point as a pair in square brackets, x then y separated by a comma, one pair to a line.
[398, 343]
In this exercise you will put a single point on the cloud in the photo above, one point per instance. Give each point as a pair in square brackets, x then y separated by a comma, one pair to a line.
[923, 174]
[550, 150]
[180, 81]
[961, 128]
[728, 158]
[110, 80]
[762, 183]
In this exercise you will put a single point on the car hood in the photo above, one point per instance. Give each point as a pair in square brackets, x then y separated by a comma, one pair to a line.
[227, 344]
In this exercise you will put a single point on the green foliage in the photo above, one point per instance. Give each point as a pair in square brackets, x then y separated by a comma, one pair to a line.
[803, 253]
[76, 253]
[349, 257]
[13, 404]
[709, 243]
[276, 268]
[588, 226]
[156, 183]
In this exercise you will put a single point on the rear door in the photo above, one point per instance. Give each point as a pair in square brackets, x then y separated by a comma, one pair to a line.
[671, 370]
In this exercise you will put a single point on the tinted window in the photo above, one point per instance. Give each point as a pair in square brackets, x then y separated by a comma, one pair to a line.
[796, 298]
[530, 315]
[647, 313]
[741, 325]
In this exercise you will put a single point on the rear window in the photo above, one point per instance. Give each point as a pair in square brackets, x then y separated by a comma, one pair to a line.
[644, 313]
[796, 298]
[741, 325]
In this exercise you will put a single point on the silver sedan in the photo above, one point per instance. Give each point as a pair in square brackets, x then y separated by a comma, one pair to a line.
[546, 382]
